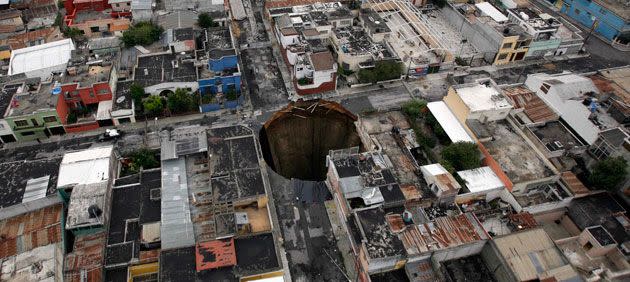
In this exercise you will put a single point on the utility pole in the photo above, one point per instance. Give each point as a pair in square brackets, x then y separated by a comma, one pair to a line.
[593, 26]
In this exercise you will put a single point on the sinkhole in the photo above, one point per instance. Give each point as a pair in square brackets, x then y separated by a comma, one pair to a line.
[296, 139]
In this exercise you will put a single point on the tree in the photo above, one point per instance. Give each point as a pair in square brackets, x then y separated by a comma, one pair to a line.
[137, 93]
[73, 32]
[383, 70]
[609, 173]
[143, 158]
[414, 108]
[142, 33]
[154, 105]
[181, 101]
[231, 95]
[461, 156]
[206, 21]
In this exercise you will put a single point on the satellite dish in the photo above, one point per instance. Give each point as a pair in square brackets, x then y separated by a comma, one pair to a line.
[120, 99]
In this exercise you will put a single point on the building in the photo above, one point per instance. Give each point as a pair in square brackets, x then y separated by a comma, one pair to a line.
[449, 122]
[480, 183]
[41, 60]
[11, 22]
[123, 107]
[569, 95]
[610, 19]
[614, 87]
[85, 185]
[162, 73]
[224, 232]
[120, 6]
[180, 40]
[441, 183]
[549, 36]
[142, 10]
[490, 31]
[611, 143]
[94, 17]
[32, 38]
[527, 255]
[220, 78]
[303, 32]
[477, 102]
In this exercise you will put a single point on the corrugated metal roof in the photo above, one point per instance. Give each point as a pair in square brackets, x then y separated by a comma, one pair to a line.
[85, 167]
[529, 253]
[491, 11]
[177, 229]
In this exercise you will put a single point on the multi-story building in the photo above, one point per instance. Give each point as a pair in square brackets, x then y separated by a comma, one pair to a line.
[93, 17]
[610, 19]
[490, 31]
[549, 36]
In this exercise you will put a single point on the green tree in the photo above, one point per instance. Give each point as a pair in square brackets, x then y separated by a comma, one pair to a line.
[414, 108]
[383, 70]
[231, 95]
[137, 93]
[461, 156]
[142, 33]
[154, 105]
[143, 158]
[206, 21]
[609, 173]
[181, 101]
[74, 33]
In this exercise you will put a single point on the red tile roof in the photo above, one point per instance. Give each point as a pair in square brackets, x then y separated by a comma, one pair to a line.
[31, 230]
[534, 107]
[524, 220]
[215, 254]
[322, 61]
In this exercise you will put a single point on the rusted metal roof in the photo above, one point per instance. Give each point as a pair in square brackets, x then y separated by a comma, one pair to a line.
[31, 230]
[410, 192]
[534, 107]
[443, 232]
[574, 184]
[523, 220]
[396, 223]
[87, 256]
[215, 254]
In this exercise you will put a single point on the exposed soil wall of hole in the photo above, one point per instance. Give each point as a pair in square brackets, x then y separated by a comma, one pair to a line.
[296, 139]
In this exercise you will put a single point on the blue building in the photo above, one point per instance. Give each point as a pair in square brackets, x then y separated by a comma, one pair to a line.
[222, 74]
[610, 18]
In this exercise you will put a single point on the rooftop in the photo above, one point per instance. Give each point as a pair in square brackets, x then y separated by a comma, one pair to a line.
[40, 56]
[380, 241]
[489, 10]
[87, 204]
[531, 255]
[165, 67]
[449, 122]
[534, 107]
[39, 175]
[565, 94]
[556, 136]
[218, 43]
[234, 164]
[215, 254]
[441, 233]
[519, 161]
[85, 167]
[538, 21]
[374, 21]
[481, 179]
[355, 41]
[322, 61]
[482, 96]
[122, 98]
[31, 96]
[600, 209]
[176, 225]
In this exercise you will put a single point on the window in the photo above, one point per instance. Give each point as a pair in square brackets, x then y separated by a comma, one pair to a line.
[545, 88]
[502, 56]
[588, 246]
[103, 91]
[28, 133]
[50, 119]
[577, 12]
[117, 5]
[21, 123]
[507, 45]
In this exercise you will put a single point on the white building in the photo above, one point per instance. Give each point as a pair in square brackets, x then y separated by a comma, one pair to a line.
[41, 60]
[564, 93]
[481, 182]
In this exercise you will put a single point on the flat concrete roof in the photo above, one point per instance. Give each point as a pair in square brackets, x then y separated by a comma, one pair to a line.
[40, 56]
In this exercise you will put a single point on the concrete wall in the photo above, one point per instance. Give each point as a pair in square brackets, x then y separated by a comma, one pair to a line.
[223, 63]
[483, 37]
[538, 49]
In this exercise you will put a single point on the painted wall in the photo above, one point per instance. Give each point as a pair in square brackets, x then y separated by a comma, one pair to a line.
[22, 133]
[585, 12]
[543, 47]
[228, 62]
[208, 86]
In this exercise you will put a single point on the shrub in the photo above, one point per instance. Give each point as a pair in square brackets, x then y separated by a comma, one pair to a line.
[609, 173]
[462, 155]
[205, 21]
[142, 33]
